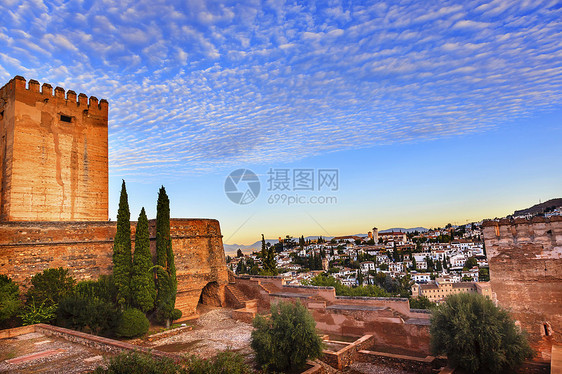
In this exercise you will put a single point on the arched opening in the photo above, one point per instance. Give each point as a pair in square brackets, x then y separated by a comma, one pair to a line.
[210, 295]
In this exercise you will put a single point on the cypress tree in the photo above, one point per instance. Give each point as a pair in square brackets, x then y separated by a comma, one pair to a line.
[143, 290]
[166, 282]
[122, 262]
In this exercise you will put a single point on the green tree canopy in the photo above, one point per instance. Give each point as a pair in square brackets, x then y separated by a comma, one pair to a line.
[10, 303]
[50, 286]
[477, 336]
[122, 259]
[470, 263]
[143, 289]
[286, 339]
[421, 302]
[166, 282]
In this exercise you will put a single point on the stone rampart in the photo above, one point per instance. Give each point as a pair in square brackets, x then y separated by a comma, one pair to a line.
[525, 258]
[53, 146]
[85, 249]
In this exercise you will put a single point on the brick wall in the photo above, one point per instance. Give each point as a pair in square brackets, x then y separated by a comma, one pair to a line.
[85, 248]
[525, 258]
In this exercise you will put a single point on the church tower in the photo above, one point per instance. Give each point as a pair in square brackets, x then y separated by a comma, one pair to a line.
[54, 160]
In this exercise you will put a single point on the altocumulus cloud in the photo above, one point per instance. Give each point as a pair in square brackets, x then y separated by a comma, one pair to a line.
[202, 85]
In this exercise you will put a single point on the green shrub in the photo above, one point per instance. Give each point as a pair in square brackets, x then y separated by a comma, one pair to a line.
[421, 302]
[223, 363]
[343, 290]
[477, 336]
[33, 312]
[286, 339]
[140, 364]
[50, 286]
[103, 289]
[132, 323]
[10, 302]
[88, 314]
[175, 315]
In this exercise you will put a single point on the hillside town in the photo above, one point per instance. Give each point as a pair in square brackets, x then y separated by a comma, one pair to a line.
[432, 263]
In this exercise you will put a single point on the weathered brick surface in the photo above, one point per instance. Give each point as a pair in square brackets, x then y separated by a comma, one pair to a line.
[85, 248]
[525, 258]
[389, 320]
[54, 154]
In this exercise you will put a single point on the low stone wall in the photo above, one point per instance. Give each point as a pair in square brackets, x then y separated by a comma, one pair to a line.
[16, 331]
[93, 341]
[315, 369]
[389, 319]
[168, 333]
[85, 249]
[98, 342]
[347, 355]
[407, 363]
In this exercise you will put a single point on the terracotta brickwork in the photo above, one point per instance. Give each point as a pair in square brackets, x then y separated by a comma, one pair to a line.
[54, 196]
[390, 320]
[85, 248]
[54, 154]
[525, 258]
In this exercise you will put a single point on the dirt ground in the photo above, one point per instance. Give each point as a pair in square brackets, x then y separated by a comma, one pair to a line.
[214, 331]
[37, 353]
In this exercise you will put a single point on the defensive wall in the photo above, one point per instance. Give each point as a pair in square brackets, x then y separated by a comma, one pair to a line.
[390, 321]
[525, 259]
[54, 196]
[86, 248]
[53, 147]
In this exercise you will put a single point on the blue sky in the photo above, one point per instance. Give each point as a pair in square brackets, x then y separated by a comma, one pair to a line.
[432, 112]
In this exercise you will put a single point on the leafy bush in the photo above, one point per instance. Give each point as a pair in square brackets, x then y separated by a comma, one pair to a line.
[140, 364]
[132, 323]
[342, 290]
[223, 363]
[477, 336]
[286, 339]
[104, 289]
[421, 302]
[38, 313]
[10, 302]
[50, 286]
[88, 314]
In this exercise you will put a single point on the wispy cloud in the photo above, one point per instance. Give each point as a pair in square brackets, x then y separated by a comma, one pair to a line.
[200, 85]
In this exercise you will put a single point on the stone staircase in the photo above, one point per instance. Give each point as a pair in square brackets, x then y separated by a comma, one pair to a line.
[239, 296]
[269, 287]
[246, 308]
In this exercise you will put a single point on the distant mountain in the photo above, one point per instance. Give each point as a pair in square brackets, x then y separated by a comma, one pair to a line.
[540, 208]
[420, 229]
[233, 248]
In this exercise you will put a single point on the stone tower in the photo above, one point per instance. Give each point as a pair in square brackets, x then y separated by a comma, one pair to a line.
[54, 154]
[375, 235]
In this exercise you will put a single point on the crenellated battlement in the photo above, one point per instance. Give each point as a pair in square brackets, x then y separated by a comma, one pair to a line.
[60, 139]
[18, 84]
[518, 232]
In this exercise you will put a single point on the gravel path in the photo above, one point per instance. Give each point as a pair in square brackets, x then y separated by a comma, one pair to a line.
[366, 368]
[215, 331]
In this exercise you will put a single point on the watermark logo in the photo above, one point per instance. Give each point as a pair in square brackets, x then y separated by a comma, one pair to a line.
[242, 186]
[286, 186]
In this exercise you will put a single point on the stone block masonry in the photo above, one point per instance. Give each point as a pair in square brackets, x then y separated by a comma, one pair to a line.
[54, 154]
[525, 258]
[54, 197]
[86, 248]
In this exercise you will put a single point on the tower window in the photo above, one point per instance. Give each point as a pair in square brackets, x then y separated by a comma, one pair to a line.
[64, 118]
[547, 330]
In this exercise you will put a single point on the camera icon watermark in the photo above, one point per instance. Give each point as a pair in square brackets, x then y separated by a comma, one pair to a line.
[286, 186]
[242, 186]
